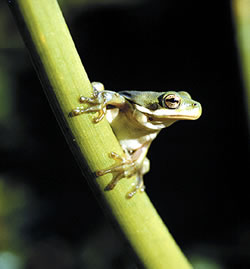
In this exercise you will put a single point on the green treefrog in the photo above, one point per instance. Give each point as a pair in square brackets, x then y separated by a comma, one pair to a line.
[136, 118]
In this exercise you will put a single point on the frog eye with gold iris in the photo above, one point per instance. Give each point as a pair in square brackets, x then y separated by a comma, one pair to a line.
[171, 101]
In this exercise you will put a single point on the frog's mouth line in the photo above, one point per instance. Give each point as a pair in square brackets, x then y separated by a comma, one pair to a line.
[161, 116]
[159, 120]
[183, 117]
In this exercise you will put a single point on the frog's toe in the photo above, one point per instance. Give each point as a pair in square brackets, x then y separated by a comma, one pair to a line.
[125, 168]
[101, 115]
[109, 187]
[97, 86]
[113, 182]
[75, 112]
[115, 156]
[83, 99]
[138, 187]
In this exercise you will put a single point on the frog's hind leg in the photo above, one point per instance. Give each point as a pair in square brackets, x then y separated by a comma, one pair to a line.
[127, 167]
[124, 164]
[124, 169]
[139, 186]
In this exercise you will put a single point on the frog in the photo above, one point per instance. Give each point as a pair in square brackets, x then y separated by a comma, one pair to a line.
[136, 118]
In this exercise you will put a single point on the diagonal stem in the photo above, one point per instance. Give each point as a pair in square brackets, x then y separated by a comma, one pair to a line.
[64, 80]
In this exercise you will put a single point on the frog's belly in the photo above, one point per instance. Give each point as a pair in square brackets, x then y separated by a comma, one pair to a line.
[130, 135]
[134, 144]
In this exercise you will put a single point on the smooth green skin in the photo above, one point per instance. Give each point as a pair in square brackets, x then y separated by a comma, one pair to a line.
[64, 79]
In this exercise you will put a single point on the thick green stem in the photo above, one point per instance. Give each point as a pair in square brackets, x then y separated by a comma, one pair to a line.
[241, 12]
[64, 79]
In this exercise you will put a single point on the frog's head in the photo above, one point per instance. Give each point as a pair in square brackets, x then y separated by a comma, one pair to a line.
[157, 110]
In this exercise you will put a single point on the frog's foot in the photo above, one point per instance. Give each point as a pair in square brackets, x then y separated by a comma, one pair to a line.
[97, 103]
[139, 186]
[97, 108]
[125, 168]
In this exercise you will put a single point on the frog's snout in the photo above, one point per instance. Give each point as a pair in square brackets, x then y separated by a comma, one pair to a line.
[197, 107]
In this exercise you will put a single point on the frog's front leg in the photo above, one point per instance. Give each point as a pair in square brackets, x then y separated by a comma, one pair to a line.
[99, 102]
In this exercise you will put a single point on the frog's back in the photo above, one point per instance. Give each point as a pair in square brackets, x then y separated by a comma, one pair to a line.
[142, 98]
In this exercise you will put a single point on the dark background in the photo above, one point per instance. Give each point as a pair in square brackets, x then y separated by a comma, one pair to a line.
[198, 168]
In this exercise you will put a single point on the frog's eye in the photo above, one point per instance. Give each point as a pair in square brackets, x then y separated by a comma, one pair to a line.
[172, 101]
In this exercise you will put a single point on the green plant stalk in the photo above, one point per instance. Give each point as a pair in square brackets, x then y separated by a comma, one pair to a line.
[241, 12]
[64, 79]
